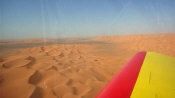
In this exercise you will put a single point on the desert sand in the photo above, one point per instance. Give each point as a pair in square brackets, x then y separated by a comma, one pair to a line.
[73, 70]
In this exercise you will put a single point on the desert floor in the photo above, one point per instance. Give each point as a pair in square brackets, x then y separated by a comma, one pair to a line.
[70, 68]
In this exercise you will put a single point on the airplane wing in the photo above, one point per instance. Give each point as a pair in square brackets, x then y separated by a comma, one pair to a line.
[146, 75]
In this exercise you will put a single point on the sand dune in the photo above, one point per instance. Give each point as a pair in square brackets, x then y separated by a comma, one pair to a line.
[161, 43]
[73, 70]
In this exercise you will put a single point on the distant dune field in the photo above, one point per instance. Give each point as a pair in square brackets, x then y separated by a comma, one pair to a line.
[74, 68]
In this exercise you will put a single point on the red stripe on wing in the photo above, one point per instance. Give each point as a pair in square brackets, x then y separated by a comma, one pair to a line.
[122, 84]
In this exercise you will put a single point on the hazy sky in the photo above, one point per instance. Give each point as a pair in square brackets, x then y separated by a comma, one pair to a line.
[81, 18]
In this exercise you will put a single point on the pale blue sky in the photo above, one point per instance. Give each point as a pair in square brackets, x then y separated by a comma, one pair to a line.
[84, 18]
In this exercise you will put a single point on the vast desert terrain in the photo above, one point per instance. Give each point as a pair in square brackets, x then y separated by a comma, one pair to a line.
[70, 68]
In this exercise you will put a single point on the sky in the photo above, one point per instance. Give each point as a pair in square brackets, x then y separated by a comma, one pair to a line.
[21, 19]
